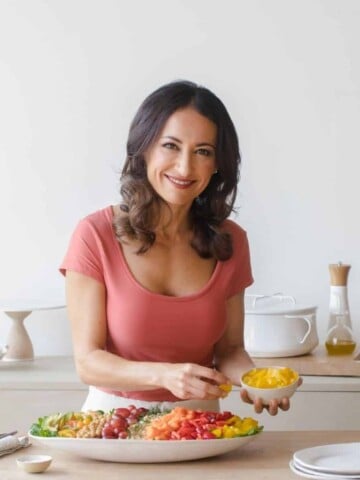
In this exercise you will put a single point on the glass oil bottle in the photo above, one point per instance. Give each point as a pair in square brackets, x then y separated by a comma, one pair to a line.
[339, 339]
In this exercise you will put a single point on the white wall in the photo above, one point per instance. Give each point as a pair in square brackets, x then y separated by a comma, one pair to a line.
[72, 73]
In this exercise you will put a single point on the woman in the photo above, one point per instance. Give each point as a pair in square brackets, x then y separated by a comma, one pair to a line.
[155, 286]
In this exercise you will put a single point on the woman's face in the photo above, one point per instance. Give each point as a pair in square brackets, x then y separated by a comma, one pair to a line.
[182, 160]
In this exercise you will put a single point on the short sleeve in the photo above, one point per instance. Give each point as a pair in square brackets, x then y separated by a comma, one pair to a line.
[84, 252]
[240, 271]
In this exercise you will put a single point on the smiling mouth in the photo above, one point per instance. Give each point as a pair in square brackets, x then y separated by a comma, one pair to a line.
[179, 183]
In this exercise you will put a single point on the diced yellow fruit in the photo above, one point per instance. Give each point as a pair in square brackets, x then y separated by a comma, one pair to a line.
[66, 433]
[217, 432]
[270, 377]
[233, 420]
[227, 387]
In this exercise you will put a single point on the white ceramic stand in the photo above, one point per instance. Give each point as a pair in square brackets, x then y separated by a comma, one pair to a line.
[19, 347]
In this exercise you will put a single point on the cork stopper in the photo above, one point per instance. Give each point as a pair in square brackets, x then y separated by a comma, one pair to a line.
[339, 274]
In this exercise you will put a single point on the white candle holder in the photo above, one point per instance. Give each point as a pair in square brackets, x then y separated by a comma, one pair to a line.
[19, 347]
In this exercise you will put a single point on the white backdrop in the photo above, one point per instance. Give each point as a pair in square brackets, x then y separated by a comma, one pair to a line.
[73, 72]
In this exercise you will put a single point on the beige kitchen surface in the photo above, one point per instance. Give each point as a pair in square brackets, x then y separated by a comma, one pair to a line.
[317, 362]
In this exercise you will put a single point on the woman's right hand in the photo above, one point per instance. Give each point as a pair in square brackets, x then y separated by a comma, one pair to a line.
[192, 381]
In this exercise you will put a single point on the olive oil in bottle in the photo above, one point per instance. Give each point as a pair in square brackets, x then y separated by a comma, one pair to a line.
[342, 347]
[339, 339]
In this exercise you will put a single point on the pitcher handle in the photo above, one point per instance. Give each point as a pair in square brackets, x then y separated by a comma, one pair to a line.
[307, 319]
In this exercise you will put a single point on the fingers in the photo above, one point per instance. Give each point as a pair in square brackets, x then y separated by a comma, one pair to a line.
[244, 396]
[195, 381]
[208, 381]
[284, 404]
[273, 406]
[203, 389]
[211, 375]
[258, 404]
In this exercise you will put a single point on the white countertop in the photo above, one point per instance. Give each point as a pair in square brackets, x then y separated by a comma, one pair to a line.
[43, 373]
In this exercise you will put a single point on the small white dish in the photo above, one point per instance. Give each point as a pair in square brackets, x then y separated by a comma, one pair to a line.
[34, 463]
[273, 393]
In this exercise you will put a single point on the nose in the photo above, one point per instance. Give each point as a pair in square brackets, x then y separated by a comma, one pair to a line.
[184, 163]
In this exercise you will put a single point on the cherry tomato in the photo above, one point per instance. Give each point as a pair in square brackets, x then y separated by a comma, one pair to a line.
[122, 412]
[118, 422]
[108, 432]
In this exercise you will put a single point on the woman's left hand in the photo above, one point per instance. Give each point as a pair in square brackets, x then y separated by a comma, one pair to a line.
[274, 405]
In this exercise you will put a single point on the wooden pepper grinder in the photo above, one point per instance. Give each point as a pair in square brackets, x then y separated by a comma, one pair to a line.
[339, 339]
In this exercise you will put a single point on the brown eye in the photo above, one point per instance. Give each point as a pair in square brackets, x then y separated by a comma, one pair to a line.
[170, 146]
[205, 152]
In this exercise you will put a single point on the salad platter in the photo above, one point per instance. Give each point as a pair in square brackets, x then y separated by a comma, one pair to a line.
[144, 451]
[138, 435]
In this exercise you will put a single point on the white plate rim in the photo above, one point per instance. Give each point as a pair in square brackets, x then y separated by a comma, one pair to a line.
[323, 474]
[317, 475]
[303, 457]
[174, 451]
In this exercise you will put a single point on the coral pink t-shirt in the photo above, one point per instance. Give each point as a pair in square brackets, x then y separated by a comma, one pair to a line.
[147, 326]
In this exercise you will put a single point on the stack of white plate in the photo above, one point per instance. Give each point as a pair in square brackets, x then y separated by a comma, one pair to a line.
[335, 461]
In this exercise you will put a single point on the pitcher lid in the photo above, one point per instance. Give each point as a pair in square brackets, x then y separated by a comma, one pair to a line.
[276, 304]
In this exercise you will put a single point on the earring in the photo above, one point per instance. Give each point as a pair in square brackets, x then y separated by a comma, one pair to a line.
[216, 171]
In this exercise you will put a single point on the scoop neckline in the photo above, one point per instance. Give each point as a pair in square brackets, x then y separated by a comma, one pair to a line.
[137, 284]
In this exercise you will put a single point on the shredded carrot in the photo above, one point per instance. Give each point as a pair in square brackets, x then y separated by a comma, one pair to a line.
[162, 427]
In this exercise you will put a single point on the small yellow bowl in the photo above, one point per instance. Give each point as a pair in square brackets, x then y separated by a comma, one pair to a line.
[270, 383]
[34, 463]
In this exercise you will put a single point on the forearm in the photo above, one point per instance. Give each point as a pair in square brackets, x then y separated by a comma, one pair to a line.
[104, 369]
[234, 364]
[184, 380]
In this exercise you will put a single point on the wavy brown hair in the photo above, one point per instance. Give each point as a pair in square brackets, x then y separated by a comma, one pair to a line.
[142, 204]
